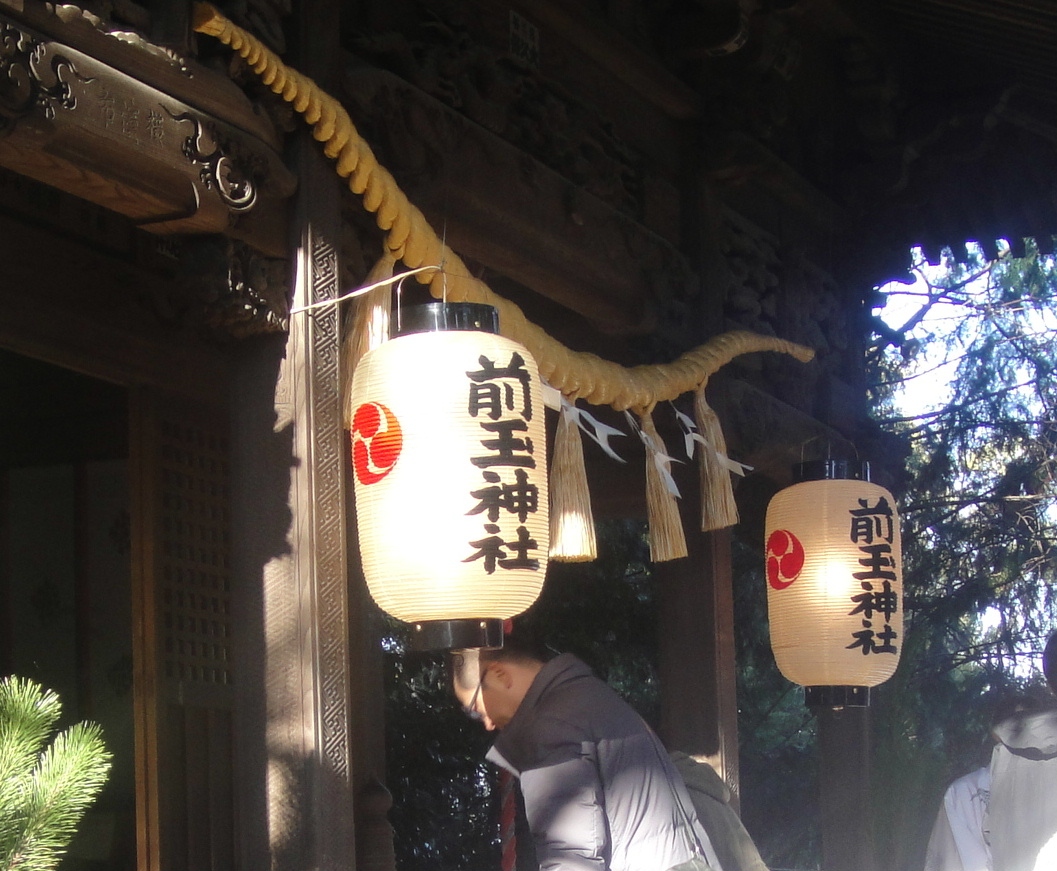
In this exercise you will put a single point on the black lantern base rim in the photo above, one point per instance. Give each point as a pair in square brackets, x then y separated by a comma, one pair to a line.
[837, 697]
[456, 634]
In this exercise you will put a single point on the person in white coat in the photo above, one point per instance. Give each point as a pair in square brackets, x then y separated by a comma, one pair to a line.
[959, 840]
[1022, 815]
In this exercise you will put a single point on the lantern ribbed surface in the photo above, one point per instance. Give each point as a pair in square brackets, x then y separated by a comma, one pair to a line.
[834, 583]
[450, 474]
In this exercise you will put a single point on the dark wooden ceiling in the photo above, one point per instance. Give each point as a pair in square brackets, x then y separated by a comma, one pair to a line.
[987, 71]
[1011, 37]
[931, 122]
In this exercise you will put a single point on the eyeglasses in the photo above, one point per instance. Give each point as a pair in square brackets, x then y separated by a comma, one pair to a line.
[471, 709]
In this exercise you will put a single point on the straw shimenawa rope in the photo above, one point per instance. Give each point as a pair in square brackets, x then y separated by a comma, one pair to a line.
[410, 238]
[577, 375]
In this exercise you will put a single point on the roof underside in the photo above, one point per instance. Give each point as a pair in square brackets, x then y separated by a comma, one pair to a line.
[1015, 35]
[981, 76]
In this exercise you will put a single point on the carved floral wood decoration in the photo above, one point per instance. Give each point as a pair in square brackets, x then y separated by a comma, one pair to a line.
[61, 110]
[76, 122]
[23, 89]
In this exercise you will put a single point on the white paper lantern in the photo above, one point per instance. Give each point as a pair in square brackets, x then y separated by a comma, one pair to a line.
[450, 461]
[834, 582]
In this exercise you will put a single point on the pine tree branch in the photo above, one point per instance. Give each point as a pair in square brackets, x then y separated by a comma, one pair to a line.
[46, 789]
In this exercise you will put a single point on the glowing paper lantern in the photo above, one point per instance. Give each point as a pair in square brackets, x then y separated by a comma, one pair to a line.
[834, 583]
[450, 461]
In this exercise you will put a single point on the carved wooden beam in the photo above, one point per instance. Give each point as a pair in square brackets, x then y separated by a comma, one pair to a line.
[499, 206]
[629, 64]
[180, 77]
[81, 125]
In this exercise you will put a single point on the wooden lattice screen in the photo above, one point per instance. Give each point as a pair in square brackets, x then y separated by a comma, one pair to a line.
[185, 769]
[196, 587]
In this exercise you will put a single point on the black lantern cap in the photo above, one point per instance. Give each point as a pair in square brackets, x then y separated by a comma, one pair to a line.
[433, 317]
[456, 634]
[831, 470]
[837, 697]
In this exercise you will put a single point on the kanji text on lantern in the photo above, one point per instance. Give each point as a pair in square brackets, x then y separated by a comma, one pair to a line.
[872, 529]
[499, 398]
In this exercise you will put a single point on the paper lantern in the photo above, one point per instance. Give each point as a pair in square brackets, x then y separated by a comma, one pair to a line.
[450, 462]
[834, 582]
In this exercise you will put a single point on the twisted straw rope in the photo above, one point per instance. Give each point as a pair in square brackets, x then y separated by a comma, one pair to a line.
[410, 238]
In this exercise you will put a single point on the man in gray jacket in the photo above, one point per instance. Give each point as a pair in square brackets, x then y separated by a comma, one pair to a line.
[600, 791]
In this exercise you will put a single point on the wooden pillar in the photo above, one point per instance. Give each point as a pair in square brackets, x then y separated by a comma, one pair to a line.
[310, 395]
[374, 834]
[375, 850]
[292, 536]
[699, 712]
[844, 784]
[308, 697]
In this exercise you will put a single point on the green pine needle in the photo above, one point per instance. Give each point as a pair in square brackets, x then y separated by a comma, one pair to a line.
[45, 789]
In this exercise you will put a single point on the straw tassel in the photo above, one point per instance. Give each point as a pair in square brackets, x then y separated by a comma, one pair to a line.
[667, 541]
[718, 508]
[572, 524]
[368, 327]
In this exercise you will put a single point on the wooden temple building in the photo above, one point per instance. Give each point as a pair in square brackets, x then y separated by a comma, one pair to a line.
[176, 549]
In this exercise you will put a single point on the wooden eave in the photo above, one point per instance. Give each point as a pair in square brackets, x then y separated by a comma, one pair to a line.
[126, 125]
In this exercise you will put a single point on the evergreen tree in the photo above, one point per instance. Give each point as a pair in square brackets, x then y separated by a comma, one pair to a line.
[45, 788]
[979, 513]
[977, 347]
[980, 562]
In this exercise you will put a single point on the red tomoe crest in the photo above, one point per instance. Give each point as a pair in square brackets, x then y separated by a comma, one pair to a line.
[785, 558]
[376, 442]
